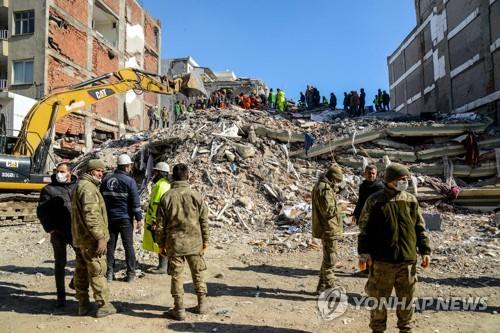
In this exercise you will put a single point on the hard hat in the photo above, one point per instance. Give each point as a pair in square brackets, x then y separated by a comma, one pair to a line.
[162, 166]
[124, 159]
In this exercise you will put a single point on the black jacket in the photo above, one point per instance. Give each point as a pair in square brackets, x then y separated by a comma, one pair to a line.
[121, 196]
[54, 207]
[365, 190]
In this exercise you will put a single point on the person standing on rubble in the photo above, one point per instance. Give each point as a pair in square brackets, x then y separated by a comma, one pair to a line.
[164, 117]
[177, 110]
[347, 101]
[333, 101]
[54, 212]
[151, 117]
[385, 101]
[376, 102]
[89, 227]
[161, 186]
[309, 98]
[271, 99]
[281, 100]
[182, 233]
[327, 223]
[123, 205]
[391, 230]
[157, 117]
[362, 102]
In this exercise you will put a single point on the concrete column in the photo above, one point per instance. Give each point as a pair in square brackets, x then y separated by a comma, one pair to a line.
[88, 134]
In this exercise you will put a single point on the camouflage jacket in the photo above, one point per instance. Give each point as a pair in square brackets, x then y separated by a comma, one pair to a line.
[392, 227]
[326, 213]
[182, 221]
[89, 220]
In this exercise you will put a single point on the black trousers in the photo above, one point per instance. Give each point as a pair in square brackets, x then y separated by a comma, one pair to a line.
[124, 228]
[59, 244]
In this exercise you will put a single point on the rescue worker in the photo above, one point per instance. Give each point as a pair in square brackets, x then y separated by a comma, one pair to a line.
[177, 110]
[327, 223]
[271, 99]
[89, 227]
[164, 117]
[54, 212]
[362, 102]
[385, 101]
[333, 101]
[123, 206]
[376, 102]
[369, 186]
[161, 186]
[280, 100]
[391, 230]
[182, 234]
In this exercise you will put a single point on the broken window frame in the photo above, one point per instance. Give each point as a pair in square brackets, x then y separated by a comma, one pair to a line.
[16, 74]
[24, 22]
[114, 20]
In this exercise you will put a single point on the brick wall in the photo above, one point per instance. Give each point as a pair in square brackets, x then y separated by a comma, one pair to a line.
[60, 74]
[135, 11]
[149, 33]
[103, 62]
[78, 9]
[71, 124]
[107, 108]
[114, 5]
[76, 51]
[150, 61]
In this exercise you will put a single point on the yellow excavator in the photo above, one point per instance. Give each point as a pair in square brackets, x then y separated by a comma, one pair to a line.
[23, 158]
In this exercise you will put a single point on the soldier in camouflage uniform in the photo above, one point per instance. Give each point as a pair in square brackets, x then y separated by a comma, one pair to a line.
[89, 226]
[391, 230]
[182, 235]
[327, 223]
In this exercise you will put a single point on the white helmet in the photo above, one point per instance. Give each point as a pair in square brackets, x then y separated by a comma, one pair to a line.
[124, 159]
[162, 166]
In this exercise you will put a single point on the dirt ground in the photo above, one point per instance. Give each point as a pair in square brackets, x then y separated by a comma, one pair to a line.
[250, 291]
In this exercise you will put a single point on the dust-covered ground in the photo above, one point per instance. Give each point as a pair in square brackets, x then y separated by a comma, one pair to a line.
[251, 289]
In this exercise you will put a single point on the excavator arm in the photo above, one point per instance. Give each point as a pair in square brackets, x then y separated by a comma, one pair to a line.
[44, 114]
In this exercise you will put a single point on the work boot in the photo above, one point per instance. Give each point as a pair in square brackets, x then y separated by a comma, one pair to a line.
[60, 303]
[105, 309]
[178, 312]
[162, 266]
[202, 307]
[130, 278]
[84, 308]
[320, 288]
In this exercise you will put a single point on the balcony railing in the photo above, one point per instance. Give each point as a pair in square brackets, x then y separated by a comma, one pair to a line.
[3, 84]
[4, 34]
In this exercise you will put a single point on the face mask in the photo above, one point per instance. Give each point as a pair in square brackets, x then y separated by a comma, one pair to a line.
[96, 179]
[402, 185]
[61, 177]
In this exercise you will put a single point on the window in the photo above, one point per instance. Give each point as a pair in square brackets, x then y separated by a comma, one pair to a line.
[24, 22]
[23, 72]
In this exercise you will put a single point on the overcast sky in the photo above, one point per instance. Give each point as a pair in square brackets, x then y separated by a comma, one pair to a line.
[336, 45]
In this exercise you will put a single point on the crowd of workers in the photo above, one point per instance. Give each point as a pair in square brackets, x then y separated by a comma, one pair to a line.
[90, 213]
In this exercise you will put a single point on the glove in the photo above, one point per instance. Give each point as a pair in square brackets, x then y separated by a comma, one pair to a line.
[426, 261]
[102, 247]
[205, 246]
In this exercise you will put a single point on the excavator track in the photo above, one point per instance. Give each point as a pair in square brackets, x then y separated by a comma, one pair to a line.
[18, 208]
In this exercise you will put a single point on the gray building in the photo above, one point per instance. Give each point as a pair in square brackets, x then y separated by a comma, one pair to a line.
[450, 62]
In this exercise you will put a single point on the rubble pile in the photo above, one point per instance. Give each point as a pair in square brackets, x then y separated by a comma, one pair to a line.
[256, 176]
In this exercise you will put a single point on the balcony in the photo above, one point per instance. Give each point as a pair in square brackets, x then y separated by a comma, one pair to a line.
[3, 84]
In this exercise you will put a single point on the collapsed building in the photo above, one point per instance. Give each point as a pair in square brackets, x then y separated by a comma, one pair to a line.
[103, 35]
[212, 81]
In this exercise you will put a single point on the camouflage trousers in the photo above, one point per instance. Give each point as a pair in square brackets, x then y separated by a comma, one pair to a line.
[90, 270]
[196, 264]
[382, 279]
[327, 271]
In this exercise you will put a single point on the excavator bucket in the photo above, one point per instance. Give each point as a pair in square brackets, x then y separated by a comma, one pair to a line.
[192, 85]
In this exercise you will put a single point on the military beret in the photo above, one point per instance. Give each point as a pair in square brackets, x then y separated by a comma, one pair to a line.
[95, 164]
[395, 171]
[335, 173]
